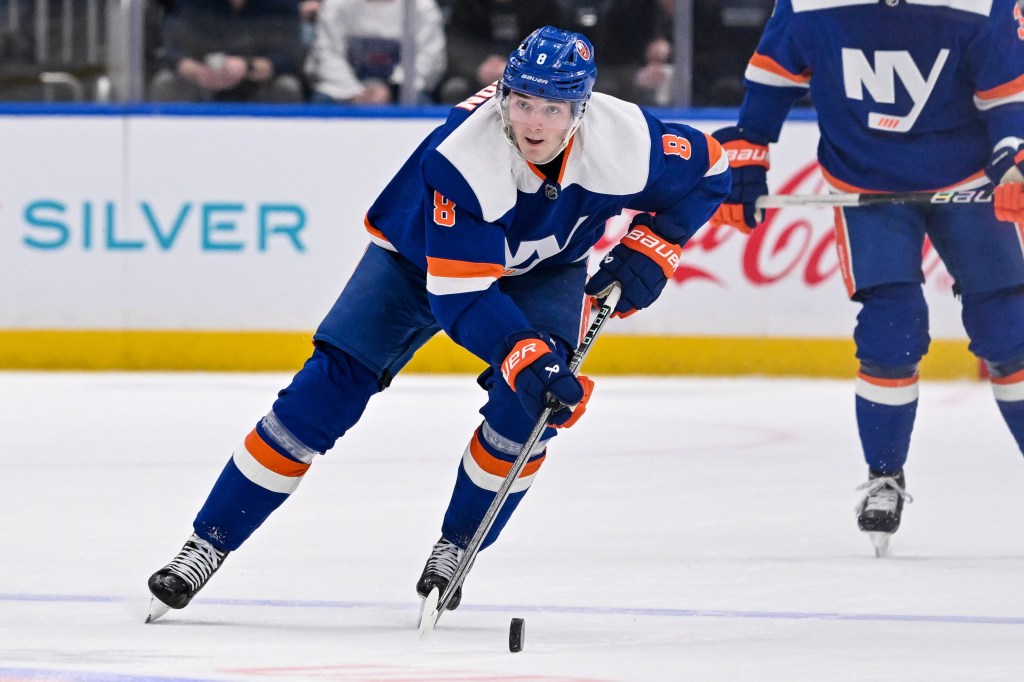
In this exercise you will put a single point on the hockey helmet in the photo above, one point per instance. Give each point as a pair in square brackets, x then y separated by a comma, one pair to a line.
[550, 64]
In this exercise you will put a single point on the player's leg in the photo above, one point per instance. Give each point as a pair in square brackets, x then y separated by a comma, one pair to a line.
[552, 299]
[985, 257]
[375, 326]
[995, 322]
[882, 269]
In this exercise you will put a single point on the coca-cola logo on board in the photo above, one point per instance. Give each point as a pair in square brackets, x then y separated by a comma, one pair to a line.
[791, 245]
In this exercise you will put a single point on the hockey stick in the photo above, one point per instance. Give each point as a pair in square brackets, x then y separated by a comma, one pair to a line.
[982, 195]
[435, 604]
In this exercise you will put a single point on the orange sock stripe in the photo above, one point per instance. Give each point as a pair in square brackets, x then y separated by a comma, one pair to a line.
[1014, 378]
[271, 458]
[498, 467]
[888, 383]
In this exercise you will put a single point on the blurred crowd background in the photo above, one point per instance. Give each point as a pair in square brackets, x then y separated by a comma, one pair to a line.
[668, 53]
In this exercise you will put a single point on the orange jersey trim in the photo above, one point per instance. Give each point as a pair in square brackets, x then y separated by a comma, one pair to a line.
[561, 170]
[715, 151]
[847, 187]
[768, 64]
[1004, 90]
[444, 267]
[373, 230]
[843, 252]
[499, 467]
[271, 458]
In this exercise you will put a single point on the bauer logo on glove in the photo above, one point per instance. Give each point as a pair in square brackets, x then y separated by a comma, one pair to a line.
[642, 262]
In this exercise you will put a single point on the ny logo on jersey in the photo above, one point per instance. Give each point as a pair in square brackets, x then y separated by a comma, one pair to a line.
[540, 249]
[880, 82]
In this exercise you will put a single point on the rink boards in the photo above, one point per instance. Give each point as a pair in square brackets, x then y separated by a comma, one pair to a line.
[185, 240]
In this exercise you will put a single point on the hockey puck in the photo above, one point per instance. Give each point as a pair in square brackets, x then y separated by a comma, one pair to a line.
[516, 634]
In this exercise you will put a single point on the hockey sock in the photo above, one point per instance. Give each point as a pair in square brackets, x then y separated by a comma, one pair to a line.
[886, 409]
[485, 463]
[258, 478]
[1008, 388]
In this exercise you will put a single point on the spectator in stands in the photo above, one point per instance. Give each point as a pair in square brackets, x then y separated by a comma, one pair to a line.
[231, 50]
[631, 45]
[357, 53]
[481, 34]
[725, 35]
[629, 36]
[308, 12]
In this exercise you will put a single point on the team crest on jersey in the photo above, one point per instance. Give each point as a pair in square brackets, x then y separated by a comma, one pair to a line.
[582, 48]
[1018, 14]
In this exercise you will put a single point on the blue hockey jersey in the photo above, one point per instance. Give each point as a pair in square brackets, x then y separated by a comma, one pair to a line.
[910, 94]
[468, 209]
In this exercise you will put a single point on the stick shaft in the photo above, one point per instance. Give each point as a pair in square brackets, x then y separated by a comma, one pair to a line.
[982, 195]
[473, 548]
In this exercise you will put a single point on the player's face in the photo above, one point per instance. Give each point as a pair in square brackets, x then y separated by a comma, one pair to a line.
[538, 125]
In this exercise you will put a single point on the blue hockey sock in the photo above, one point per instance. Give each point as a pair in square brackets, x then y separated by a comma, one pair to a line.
[886, 409]
[258, 478]
[1008, 388]
[485, 463]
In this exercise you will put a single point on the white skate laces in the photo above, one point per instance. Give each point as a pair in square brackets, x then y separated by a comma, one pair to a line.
[196, 562]
[444, 559]
[882, 494]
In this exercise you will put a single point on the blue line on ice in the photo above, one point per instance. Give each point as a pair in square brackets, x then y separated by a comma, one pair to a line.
[520, 608]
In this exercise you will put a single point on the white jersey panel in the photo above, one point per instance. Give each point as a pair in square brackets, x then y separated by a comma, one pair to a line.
[480, 152]
[612, 150]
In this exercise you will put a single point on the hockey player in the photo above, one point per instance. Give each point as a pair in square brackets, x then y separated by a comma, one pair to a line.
[483, 233]
[911, 95]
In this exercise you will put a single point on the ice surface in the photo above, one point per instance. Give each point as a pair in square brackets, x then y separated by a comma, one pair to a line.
[686, 529]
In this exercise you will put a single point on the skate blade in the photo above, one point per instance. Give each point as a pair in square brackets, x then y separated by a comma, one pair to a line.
[428, 613]
[156, 609]
[881, 543]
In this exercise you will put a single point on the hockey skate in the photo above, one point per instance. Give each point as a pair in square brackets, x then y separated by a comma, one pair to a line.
[880, 510]
[174, 585]
[440, 567]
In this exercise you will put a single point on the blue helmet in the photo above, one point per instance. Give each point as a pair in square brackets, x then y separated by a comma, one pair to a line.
[553, 64]
[550, 64]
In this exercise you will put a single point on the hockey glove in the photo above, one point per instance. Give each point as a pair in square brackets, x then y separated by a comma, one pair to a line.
[1006, 170]
[642, 262]
[748, 159]
[535, 371]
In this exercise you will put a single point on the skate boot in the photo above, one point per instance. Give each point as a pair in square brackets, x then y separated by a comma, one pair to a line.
[174, 585]
[444, 559]
[879, 511]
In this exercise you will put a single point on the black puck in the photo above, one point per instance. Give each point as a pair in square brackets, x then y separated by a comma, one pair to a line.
[516, 634]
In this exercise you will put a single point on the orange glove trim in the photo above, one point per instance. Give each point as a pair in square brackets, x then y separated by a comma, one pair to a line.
[731, 215]
[742, 153]
[581, 406]
[524, 352]
[1009, 202]
[666, 254]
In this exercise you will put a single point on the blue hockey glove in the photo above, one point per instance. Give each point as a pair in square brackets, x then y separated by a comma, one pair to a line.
[1007, 158]
[533, 370]
[748, 159]
[1006, 171]
[642, 262]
